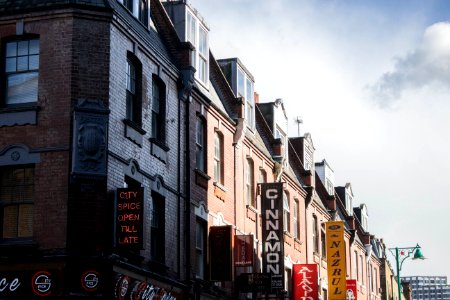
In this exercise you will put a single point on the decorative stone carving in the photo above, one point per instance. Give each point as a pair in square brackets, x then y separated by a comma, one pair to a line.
[90, 136]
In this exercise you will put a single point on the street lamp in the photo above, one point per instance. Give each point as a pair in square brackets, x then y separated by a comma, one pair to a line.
[400, 255]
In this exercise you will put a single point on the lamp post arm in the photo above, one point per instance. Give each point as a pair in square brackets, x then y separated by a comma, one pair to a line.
[399, 263]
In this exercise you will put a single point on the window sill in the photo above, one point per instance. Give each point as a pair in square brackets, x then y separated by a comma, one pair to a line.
[134, 132]
[287, 238]
[17, 245]
[252, 213]
[19, 115]
[298, 244]
[159, 149]
[201, 178]
[219, 191]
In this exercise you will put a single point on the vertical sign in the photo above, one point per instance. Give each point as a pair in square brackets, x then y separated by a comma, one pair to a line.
[336, 260]
[272, 233]
[243, 250]
[306, 282]
[221, 255]
[352, 291]
[129, 218]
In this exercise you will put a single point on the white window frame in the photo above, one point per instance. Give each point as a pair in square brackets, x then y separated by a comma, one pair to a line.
[248, 96]
[197, 34]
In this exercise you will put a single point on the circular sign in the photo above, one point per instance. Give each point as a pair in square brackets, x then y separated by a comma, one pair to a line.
[122, 285]
[41, 283]
[89, 281]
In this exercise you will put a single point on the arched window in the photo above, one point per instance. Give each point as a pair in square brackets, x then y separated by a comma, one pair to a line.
[133, 90]
[286, 212]
[218, 157]
[249, 186]
[200, 155]
[158, 109]
[315, 227]
[296, 220]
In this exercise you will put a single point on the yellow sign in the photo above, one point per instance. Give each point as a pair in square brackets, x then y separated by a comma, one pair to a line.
[337, 285]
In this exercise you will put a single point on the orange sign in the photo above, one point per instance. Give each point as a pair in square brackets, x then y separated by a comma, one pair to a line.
[337, 285]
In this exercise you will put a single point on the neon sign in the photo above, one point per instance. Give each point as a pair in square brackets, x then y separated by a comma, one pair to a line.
[129, 218]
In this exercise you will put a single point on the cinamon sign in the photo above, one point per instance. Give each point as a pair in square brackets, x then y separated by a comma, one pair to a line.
[272, 233]
[129, 218]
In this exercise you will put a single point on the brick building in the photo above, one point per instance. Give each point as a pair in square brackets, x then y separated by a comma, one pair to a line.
[132, 163]
[92, 150]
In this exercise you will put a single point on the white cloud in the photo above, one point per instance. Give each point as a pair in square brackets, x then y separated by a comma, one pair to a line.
[426, 67]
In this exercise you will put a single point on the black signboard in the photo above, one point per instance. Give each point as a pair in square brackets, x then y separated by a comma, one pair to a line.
[23, 284]
[129, 215]
[253, 282]
[272, 233]
[221, 255]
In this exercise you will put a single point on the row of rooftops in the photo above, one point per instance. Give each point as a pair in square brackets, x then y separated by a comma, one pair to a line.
[221, 88]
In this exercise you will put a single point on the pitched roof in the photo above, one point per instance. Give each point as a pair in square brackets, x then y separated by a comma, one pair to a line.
[8, 7]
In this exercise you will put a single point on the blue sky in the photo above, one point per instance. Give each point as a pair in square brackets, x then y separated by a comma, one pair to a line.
[370, 80]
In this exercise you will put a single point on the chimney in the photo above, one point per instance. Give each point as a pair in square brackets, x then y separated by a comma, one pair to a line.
[256, 96]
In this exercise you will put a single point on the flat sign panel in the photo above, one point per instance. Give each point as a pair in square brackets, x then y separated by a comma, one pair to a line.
[337, 285]
[129, 217]
[243, 250]
[352, 290]
[272, 233]
[306, 281]
[221, 255]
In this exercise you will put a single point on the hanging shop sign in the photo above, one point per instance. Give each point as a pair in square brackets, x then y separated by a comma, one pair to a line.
[243, 250]
[253, 282]
[129, 288]
[272, 233]
[336, 266]
[352, 289]
[220, 253]
[129, 215]
[305, 281]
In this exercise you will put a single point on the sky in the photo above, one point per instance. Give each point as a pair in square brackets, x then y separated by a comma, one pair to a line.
[371, 82]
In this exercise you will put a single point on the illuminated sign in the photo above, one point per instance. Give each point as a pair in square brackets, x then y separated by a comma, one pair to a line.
[41, 283]
[243, 250]
[272, 233]
[336, 260]
[89, 281]
[128, 288]
[9, 285]
[306, 282]
[129, 218]
[26, 284]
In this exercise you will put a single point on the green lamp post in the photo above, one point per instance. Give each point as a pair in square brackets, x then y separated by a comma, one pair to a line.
[400, 255]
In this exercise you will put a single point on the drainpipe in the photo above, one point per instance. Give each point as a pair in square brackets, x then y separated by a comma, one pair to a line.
[184, 94]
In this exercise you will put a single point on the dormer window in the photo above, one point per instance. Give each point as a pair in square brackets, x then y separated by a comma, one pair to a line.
[139, 9]
[203, 55]
[245, 90]
[197, 34]
[349, 203]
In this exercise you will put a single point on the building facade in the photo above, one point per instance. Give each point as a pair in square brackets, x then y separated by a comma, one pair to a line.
[136, 165]
[428, 287]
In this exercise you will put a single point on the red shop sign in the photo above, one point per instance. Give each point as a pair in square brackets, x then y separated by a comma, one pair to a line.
[305, 285]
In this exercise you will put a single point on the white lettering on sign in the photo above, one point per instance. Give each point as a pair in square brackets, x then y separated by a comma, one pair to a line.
[305, 283]
[272, 242]
[9, 285]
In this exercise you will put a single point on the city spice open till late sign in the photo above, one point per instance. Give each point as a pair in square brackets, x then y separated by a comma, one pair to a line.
[129, 218]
